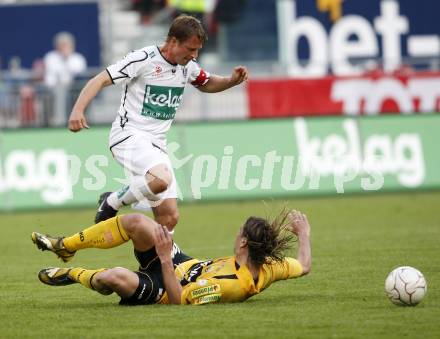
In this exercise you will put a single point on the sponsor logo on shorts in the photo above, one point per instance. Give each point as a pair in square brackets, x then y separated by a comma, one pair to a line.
[205, 290]
[142, 292]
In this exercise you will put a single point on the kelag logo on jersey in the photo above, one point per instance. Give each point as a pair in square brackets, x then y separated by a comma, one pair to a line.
[322, 36]
[161, 102]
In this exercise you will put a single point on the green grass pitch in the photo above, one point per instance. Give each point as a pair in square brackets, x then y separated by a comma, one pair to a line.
[356, 241]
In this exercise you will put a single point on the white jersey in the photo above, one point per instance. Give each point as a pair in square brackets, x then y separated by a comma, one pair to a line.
[153, 89]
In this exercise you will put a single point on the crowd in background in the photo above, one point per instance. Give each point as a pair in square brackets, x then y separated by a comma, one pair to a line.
[210, 12]
[53, 81]
[41, 93]
[50, 80]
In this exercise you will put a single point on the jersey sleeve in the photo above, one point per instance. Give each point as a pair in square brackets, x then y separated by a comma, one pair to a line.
[195, 294]
[198, 76]
[128, 67]
[287, 269]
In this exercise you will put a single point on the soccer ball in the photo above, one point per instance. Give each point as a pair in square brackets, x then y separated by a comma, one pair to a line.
[405, 286]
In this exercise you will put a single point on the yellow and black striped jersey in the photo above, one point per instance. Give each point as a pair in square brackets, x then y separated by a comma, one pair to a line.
[224, 280]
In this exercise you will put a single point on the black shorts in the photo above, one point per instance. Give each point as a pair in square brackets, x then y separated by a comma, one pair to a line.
[151, 287]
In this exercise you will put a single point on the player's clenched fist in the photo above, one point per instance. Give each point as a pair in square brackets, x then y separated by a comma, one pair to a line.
[239, 74]
[77, 121]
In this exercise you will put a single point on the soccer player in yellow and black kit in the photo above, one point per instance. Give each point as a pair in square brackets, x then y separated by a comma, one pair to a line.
[168, 276]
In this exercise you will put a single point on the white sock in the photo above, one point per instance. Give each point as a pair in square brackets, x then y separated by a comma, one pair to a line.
[138, 190]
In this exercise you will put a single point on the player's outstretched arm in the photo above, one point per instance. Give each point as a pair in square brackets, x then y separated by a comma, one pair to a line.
[301, 227]
[219, 83]
[77, 120]
[164, 246]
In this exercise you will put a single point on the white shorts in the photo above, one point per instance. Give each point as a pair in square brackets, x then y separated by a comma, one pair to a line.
[137, 153]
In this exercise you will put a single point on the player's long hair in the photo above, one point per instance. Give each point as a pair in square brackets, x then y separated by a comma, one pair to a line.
[268, 240]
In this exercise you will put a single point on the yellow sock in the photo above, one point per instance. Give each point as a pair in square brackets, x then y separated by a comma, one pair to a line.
[106, 234]
[83, 276]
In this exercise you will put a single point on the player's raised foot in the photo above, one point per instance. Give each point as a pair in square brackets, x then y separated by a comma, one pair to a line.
[55, 276]
[105, 211]
[55, 245]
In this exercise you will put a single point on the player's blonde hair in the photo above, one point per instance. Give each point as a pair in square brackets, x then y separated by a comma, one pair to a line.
[267, 239]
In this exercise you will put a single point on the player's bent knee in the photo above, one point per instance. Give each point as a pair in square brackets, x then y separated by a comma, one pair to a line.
[159, 178]
[174, 218]
[139, 229]
[113, 278]
[170, 219]
[158, 186]
[102, 277]
[132, 222]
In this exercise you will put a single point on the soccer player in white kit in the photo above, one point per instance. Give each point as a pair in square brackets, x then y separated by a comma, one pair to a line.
[153, 80]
